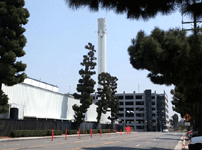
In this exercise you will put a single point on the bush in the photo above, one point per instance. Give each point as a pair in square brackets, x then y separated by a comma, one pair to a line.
[28, 133]
[71, 132]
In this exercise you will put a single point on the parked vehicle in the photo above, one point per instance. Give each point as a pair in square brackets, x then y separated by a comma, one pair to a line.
[189, 134]
[195, 143]
[165, 130]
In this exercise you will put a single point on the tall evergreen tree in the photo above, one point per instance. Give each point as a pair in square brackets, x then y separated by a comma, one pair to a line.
[107, 101]
[12, 41]
[114, 101]
[140, 9]
[85, 86]
[175, 121]
[104, 94]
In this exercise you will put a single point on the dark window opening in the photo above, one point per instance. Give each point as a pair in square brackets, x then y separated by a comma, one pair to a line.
[129, 121]
[140, 121]
[120, 109]
[120, 103]
[153, 108]
[139, 127]
[129, 109]
[139, 109]
[139, 103]
[129, 103]
[129, 97]
[153, 97]
[139, 115]
[120, 97]
[153, 103]
[120, 115]
[138, 97]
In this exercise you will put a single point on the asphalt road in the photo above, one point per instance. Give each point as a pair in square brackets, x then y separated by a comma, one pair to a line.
[133, 141]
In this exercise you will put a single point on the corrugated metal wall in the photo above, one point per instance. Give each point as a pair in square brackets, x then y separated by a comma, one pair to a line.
[38, 102]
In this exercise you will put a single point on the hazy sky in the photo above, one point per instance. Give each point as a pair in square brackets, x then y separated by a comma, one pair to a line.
[56, 37]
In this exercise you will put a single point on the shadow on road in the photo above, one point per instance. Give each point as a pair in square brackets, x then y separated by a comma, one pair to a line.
[168, 139]
[123, 148]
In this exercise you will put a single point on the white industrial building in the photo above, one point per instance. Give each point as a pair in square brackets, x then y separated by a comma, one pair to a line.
[37, 99]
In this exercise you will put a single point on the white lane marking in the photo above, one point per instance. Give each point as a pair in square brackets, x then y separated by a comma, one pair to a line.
[138, 145]
[154, 139]
[179, 144]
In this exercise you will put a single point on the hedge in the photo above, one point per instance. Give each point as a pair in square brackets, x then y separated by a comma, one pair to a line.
[27, 133]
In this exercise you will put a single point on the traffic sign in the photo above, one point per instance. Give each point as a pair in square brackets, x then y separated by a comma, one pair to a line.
[187, 117]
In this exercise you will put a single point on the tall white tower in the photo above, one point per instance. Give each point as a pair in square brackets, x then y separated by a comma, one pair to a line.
[101, 45]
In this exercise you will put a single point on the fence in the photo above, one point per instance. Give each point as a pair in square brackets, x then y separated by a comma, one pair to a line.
[7, 125]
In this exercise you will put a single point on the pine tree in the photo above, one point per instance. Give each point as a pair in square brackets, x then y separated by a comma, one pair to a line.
[140, 9]
[107, 101]
[104, 94]
[171, 57]
[12, 42]
[114, 101]
[85, 86]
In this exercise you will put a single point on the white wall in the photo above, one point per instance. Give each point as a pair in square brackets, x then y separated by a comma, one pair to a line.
[41, 103]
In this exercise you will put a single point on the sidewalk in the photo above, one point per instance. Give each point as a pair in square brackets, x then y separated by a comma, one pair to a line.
[4, 139]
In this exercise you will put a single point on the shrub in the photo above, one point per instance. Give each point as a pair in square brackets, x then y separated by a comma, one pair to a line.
[71, 131]
[27, 133]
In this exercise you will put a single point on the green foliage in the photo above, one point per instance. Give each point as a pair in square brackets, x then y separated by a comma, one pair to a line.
[12, 41]
[29, 133]
[3, 103]
[114, 103]
[85, 86]
[175, 121]
[140, 9]
[71, 132]
[106, 96]
[164, 54]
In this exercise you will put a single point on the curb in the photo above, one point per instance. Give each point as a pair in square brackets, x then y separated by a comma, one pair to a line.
[44, 137]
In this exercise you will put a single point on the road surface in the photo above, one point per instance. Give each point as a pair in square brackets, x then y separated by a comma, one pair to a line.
[133, 141]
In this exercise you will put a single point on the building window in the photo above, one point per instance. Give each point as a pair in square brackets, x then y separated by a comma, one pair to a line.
[153, 97]
[120, 115]
[129, 109]
[153, 108]
[153, 103]
[120, 103]
[130, 121]
[153, 115]
[139, 115]
[120, 109]
[139, 103]
[139, 109]
[139, 127]
[129, 103]
[120, 97]
[129, 97]
[138, 97]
